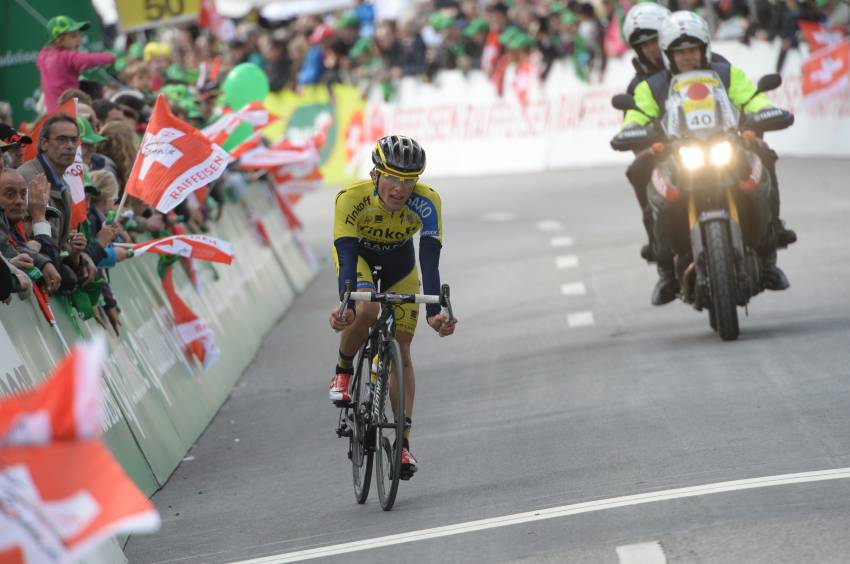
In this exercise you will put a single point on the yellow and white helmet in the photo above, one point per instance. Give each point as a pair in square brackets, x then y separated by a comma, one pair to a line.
[682, 30]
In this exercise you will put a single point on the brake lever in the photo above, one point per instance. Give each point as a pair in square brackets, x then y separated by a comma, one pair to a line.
[446, 303]
[346, 298]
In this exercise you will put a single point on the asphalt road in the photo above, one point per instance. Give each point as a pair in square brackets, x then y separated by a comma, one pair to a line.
[562, 385]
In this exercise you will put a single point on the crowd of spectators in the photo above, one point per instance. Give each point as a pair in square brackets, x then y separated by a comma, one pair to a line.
[116, 91]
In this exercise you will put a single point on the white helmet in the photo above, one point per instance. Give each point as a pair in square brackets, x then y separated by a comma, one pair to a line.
[684, 29]
[643, 22]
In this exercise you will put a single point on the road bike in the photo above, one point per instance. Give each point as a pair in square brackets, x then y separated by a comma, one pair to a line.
[374, 419]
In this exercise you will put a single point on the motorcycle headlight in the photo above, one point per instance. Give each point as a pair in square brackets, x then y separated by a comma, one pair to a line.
[693, 157]
[721, 153]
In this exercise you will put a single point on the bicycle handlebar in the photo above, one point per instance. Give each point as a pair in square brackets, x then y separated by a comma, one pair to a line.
[395, 298]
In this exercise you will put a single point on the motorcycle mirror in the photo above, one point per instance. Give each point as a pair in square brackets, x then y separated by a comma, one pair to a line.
[623, 102]
[769, 82]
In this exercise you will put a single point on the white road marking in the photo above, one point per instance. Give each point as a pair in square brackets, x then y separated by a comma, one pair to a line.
[549, 225]
[573, 289]
[553, 513]
[499, 216]
[561, 241]
[566, 261]
[641, 553]
[580, 319]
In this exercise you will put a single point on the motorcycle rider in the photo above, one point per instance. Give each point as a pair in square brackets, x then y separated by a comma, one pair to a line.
[686, 46]
[641, 28]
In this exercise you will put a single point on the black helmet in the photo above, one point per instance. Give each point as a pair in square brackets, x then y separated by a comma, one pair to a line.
[399, 155]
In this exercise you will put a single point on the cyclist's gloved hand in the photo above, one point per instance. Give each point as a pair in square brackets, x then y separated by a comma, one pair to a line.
[442, 325]
[338, 324]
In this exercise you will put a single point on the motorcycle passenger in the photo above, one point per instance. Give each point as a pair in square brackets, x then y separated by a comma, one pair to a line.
[686, 46]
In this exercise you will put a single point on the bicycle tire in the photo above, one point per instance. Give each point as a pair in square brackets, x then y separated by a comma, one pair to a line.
[389, 428]
[362, 455]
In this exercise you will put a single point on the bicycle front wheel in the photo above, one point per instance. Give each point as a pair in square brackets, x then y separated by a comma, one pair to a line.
[360, 446]
[389, 427]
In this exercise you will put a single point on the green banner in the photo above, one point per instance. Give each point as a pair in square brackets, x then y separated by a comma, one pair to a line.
[23, 36]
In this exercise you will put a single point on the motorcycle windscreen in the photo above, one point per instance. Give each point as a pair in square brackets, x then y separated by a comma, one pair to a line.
[697, 106]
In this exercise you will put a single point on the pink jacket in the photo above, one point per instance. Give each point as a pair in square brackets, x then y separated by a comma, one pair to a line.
[60, 69]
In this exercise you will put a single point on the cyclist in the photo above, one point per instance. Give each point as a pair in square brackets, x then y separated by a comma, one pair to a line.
[686, 45]
[374, 224]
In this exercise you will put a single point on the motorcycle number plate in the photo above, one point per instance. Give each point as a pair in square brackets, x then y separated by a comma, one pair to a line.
[700, 118]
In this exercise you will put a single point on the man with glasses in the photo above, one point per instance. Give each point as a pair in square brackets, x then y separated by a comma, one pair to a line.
[57, 148]
[374, 224]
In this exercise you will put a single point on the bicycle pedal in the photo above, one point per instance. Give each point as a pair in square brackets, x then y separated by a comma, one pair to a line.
[342, 403]
[407, 472]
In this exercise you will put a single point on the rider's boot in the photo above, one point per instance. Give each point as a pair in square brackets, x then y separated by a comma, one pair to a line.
[784, 236]
[772, 276]
[647, 252]
[667, 286]
[408, 462]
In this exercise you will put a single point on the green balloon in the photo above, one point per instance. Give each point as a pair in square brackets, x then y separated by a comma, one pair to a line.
[244, 84]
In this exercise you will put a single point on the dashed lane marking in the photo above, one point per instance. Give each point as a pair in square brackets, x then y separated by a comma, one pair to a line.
[580, 319]
[561, 241]
[641, 553]
[573, 289]
[499, 216]
[553, 513]
[549, 225]
[566, 261]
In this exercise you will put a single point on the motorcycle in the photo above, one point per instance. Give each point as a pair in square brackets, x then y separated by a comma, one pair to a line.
[705, 155]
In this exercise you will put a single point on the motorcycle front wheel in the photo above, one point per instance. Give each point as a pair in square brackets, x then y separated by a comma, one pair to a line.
[720, 261]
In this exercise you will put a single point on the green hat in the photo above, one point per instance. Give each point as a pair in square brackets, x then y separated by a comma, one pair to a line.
[361, 46]
[569, 17]
[59, 25]
[440, 21]
[87, 134]
[136, 50]
[509, 32]
[520, 41]
[87, 184]
[557, 8]
[478, 25]
[347, 21]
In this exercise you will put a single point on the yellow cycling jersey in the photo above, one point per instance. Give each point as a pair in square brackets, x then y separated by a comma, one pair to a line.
[358, 213]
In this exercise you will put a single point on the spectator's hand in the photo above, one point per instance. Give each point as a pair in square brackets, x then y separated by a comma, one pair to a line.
[24, 282]
[88, 270]
[23, 261]
[338, 324]
[77, 242]
[114, 315]
[34, 246]
[441, 324]
[122, 253]
[106, 235]
[52, 278]
[38, 194]
[196, 221]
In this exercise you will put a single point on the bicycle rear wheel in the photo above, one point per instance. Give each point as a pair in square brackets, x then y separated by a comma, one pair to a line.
[360, 447]
[389, 428]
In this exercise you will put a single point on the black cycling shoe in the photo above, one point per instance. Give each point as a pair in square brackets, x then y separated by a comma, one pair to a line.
[666, 288]
[647, 253]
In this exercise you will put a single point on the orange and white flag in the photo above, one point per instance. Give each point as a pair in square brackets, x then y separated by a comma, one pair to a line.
[826, 72]
[66, 407]
[196, 337]
[73, 177]
[61, 491]
[174, 160]
[194, 246]
[254, 113]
